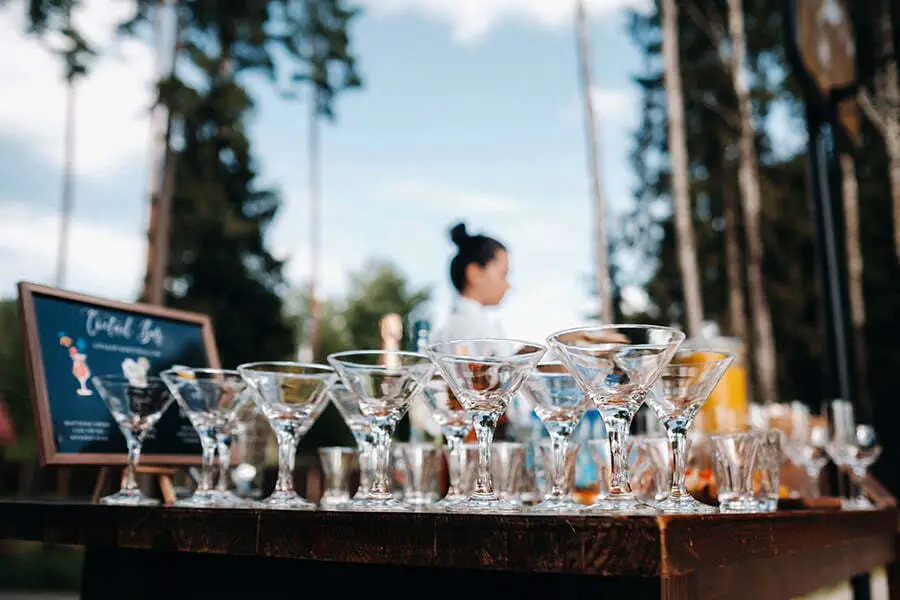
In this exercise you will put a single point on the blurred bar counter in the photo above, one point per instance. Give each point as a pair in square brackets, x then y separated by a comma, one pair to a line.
[165, 552]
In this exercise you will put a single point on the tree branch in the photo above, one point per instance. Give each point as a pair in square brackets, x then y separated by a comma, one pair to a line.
[713, 29]
[730, 117]
[871, 111]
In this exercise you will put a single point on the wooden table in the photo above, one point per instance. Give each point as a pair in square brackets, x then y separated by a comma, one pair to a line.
[137, 553]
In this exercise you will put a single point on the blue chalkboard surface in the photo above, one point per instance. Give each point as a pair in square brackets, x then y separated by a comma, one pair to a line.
[70, 338]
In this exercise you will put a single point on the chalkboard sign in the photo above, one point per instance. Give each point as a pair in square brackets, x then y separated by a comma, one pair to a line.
[70, 338]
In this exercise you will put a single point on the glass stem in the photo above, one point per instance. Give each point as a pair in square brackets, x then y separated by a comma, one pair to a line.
[223, 447]
[560, 445]
[134, 456]
[207, 466]
[679, 450]
[366, 467]
[617, 429]
[812, 478]
[381, 483]
[856, 479]
[454, 464]
[484, 423]
[287, 451]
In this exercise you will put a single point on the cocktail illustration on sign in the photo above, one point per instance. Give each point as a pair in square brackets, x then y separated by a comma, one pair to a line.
[80, 369]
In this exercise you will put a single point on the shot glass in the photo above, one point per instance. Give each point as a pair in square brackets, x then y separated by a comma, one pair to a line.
[507, 459]
[466, 471]
[766, 478]
[421, 463]
[337, 464]
[548, 466]
[734, 459]
[649, 461]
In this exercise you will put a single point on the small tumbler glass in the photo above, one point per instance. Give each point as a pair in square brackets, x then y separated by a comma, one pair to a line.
[734, 458]
[421, 464]
[507, 460]
[337, 463]
[548, 465]
[766, 479]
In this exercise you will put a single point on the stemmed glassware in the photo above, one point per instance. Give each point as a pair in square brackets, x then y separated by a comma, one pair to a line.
[484, 374]
[210, 398]
[291, 396]
[455, 424]
[615, 366]
[136, 406]
[347, 404]
[560, 405]
[856, 455]
[385, 382]
[680, 392]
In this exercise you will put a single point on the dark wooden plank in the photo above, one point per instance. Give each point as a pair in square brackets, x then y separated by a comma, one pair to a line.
[785, 555]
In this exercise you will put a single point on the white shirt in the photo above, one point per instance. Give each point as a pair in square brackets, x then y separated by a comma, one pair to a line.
[469, 320]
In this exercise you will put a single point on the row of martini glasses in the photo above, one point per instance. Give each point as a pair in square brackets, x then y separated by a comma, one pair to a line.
[466, 383]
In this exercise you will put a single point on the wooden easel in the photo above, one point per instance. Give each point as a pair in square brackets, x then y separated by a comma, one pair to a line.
[164, 476]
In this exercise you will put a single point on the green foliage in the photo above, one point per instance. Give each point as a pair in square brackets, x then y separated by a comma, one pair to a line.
[14, 379]
[647, 234]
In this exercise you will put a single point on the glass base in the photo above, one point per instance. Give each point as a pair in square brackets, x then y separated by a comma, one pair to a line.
[449, 501]
[376, 504]
[860, 503]
[684, 505]
[620, 504]
[286, 501]
[129, 498]
[331, 501]
[560, 505]
[485, 503]
[213, 499]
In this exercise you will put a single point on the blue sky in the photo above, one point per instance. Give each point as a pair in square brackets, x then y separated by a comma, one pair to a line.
[470, 111]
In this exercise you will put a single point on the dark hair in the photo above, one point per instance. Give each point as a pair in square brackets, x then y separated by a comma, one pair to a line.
[477, 249]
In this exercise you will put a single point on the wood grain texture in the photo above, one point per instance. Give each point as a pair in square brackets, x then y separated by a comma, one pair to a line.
[783, 554]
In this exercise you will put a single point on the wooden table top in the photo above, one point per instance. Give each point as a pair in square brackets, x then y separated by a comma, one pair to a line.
[791, 550]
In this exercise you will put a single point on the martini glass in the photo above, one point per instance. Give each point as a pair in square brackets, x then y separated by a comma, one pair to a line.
[455, 424]
[560, 405]
[680, 393]
[210, 398]
[291, 396]
[384, 382]
[347, 404]
[615, 366]
[136, 410]
[484, 374]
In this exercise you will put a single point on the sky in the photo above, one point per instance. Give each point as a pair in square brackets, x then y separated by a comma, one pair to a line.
[470, 111]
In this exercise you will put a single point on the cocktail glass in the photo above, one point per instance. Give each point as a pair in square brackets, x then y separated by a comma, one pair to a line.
[291, 396]
[384, 382]
[136, 410]
[678, 396]
[560, 405]
[210, 398]
[484, 374]
[615, 366]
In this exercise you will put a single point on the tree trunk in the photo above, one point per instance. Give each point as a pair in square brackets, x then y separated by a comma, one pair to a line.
[684, 230]
[65, 214]
[855, 269]
[162, 173]
[601, 248]
[737, 311]
[748, 176]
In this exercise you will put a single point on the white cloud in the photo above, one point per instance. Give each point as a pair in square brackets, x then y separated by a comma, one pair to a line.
[471, 20]
[111, 103]
[103, 260]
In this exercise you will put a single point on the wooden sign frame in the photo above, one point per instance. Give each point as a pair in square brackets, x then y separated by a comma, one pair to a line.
[47, 449]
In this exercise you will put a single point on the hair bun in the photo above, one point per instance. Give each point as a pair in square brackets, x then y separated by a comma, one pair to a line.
[459, 235]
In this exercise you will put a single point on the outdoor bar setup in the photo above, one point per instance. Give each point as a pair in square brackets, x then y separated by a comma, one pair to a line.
[722, 499]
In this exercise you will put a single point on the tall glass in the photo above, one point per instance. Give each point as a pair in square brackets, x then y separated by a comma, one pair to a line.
[210, 398]
[616, 365]
[385, 382]
[291, 396]
[136, 406]
[560, 405]
[484, 374]
[679, 395]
